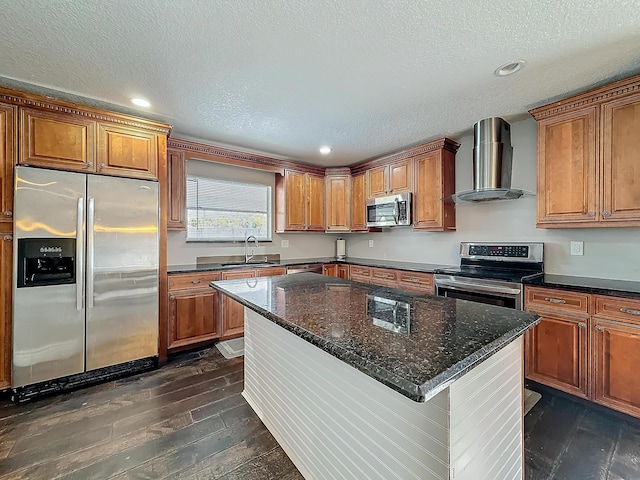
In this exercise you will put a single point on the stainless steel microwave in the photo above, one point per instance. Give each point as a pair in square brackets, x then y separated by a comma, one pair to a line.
[389, 211]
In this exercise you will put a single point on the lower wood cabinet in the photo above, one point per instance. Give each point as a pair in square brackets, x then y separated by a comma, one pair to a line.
[6, 272]
[384, 277]
[193, 310]
[360, 274]
[557, 353]
[594, 355]
[416, 282]
[331, 270]
[343, 272]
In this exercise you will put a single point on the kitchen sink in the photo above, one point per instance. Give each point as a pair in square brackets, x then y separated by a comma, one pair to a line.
[249, 263]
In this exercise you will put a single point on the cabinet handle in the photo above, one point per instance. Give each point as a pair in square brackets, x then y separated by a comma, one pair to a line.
[89, 164]
[606, 213]
[630, 311]
[171, 297]
[555, 300]
[102, 165]
[599, 328]
[195, 281]
[8, 238]
[8, 213]
[582, 325]
[591, 214]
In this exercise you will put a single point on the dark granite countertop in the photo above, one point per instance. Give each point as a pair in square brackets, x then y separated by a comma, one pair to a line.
[446, 337]
[599, 286]
[410, 266]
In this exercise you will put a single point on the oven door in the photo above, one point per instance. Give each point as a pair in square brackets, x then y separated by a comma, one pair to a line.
[492, 292]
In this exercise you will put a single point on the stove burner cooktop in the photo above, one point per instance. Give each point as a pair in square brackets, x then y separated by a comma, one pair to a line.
[507, 275]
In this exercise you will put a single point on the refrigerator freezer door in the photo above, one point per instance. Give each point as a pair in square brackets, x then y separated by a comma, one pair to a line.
[122, 270]
[48, 320]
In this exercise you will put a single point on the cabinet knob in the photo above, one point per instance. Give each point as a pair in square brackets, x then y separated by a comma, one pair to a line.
[630, 311]
[102, 165]
[591, 214]
[89, 164]
[8, 238]
[195, 281]
[606, 213]
[599, 328]
[8, 213]
[582, 325]
[172, 297]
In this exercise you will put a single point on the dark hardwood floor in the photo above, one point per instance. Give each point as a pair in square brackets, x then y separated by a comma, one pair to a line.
[189, 421]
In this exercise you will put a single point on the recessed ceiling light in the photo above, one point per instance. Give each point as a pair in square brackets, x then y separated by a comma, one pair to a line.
[141, 102]
[509, 68]
[325, 150]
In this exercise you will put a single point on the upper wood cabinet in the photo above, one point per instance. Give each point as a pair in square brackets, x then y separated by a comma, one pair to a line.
[176, 185]
[8, 149]
[390, 179]
[79, 143]
[435, 180]
[300, 202]
[359, 202]
[338, 191]
[588, 148]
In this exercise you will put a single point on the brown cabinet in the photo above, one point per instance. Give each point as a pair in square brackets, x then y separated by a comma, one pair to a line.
[416, 282]
[588, 146]
[8, 149]
[390, 179]
[384, 277]
[360, 274]
[435, 180]
[343, 272]
[232, 311]
[125, 151]
[75, 142]
[331, 270]
[177, 184]
[193, 310]
[556, 350]
[300, 202]
[359, 202]
[6, 272]
[615, 329]
[338, 192]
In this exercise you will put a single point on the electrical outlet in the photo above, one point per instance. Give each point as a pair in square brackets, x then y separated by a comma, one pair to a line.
[284, 243]
[577, 248]
[370, 243]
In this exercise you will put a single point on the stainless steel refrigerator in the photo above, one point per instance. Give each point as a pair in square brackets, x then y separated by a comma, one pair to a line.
[85, 289]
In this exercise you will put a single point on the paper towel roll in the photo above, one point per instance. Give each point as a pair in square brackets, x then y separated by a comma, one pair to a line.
[341, 249]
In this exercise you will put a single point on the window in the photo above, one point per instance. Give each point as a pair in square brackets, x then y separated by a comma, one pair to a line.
[224, 211]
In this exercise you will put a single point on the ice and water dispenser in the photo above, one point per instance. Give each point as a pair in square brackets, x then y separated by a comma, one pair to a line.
[46, 261]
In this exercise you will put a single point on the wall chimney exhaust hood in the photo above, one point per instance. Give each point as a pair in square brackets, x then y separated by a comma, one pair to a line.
[492, 156]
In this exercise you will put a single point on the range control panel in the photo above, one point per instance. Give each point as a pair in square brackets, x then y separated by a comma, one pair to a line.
[513, 251]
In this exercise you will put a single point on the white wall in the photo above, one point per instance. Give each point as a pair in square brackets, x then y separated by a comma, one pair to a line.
[301, 245]
[608, 252]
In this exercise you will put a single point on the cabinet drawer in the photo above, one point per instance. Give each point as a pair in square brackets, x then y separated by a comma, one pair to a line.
[192, 281]
[356, 271]
[384, 274]
[557, 300]
[415, 281]
[270, 271]
[619, 308]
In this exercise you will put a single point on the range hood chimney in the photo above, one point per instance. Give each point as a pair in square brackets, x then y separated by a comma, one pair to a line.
[492, 156]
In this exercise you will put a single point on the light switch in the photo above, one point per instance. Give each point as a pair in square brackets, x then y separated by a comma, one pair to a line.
[370, 243]
[577, 248]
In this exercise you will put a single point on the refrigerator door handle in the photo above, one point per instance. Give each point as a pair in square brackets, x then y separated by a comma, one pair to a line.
[80, 254]
[90, 250]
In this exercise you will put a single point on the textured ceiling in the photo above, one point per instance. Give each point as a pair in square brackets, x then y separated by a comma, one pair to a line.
[284, 77]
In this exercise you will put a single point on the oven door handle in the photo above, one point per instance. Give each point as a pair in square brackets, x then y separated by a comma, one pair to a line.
[470, 287]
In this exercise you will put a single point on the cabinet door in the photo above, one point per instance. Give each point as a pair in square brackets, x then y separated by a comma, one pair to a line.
[295, 201]
[567, 169]
[6, 272]
[401, 176]
[192, 318]
[127, 151]
[338, 202]
[377, 181]
[557, 353]
[270, 271]
[315, 203]
[330, 270]
[416, 282]
[358, 203]
[8, 148]
[621, 161]
[232, 311]
[343, 271]
[617, 356]
[434, 181]
[57, 141]
[384, 277]
[177, 184]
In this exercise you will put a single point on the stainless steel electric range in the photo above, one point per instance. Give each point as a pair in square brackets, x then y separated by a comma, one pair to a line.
[492, 273]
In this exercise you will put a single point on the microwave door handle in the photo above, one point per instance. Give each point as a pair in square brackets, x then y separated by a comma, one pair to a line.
[396, 210]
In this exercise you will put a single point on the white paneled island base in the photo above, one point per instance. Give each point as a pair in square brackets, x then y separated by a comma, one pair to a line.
[335, 422]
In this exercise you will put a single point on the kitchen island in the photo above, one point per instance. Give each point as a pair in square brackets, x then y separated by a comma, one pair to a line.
[359, 381]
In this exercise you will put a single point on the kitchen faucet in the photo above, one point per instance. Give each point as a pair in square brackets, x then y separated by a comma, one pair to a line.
[248, 257]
